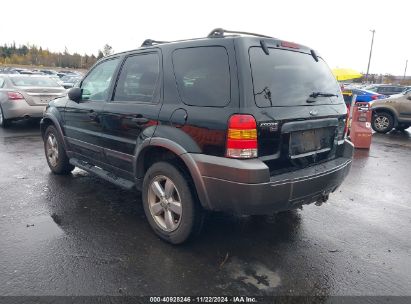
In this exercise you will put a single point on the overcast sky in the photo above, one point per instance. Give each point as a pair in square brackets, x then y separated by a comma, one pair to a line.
[339, 30]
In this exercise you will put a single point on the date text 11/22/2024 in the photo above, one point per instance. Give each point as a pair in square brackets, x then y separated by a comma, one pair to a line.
[237, 299]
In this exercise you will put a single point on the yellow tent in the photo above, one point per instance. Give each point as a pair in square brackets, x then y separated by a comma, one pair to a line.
[346, 74]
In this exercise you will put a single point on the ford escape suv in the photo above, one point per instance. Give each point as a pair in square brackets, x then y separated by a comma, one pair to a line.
[234, 122]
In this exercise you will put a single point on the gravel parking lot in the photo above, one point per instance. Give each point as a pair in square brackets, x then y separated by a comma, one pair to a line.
[78, 235]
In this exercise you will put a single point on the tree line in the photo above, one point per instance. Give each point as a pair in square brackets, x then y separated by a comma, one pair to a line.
[33, 55]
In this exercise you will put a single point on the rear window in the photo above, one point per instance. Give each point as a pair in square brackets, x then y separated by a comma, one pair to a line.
[29, 81]
[203, 76]
[288, 78]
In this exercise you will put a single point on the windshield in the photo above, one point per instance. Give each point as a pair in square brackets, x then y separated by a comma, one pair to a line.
[288, 78]
[30, 81]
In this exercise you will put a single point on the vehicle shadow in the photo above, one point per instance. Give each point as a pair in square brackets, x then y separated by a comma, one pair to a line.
[393, 135]
[25, 127]
[106, 231]
[73, 196]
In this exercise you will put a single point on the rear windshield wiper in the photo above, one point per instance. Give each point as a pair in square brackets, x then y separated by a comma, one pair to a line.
[322, 94]
[266, 93]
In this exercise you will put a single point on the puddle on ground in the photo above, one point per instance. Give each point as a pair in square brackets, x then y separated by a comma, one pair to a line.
[253, 273]
[40, 228]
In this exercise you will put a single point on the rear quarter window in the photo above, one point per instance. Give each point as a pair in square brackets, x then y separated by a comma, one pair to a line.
[202, 76]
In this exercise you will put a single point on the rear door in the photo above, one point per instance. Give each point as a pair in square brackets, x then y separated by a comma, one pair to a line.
[83, 120]
[133, 109]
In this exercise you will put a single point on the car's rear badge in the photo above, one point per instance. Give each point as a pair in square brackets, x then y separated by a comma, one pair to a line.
[272, 126]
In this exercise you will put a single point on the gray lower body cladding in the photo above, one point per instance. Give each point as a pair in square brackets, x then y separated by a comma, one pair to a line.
[239, 194]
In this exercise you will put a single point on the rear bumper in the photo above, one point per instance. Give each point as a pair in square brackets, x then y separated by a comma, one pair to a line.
[21, 109]
[245, 187]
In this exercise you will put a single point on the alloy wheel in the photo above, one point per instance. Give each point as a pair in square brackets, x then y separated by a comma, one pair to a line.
[52, 149]
[381, 123]
[165, 203]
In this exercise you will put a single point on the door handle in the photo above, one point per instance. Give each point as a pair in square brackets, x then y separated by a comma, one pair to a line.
[93, 115]
[140, 120]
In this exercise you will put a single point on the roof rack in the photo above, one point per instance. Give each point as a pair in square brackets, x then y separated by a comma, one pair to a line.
[150, 42]
[219, 33]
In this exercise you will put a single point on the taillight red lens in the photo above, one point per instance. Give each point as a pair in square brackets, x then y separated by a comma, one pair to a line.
[14, 95]
[374, 97]
[242, 137]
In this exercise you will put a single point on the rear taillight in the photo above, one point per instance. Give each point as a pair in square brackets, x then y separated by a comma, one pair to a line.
[242, 137]
[374, 97]
[14, 96]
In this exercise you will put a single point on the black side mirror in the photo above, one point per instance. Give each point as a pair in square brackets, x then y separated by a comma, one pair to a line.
[75, 94]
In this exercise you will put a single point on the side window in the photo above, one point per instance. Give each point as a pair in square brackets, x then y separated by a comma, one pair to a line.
[138, 79]
[203, 76]
[96, 85]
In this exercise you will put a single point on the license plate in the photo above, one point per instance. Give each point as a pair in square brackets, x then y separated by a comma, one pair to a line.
[44, 99]
[307, 142]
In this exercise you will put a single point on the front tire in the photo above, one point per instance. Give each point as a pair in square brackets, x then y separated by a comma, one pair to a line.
[382, 122]
[170, 205]
[55, 153]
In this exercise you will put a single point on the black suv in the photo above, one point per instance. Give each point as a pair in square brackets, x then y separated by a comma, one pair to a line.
[243, 123]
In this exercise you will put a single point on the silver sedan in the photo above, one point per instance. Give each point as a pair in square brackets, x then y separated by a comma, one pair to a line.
[25, 96]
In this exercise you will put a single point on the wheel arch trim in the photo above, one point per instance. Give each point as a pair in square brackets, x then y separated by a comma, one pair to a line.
[388, 110]
[56, 124]
[182, 154]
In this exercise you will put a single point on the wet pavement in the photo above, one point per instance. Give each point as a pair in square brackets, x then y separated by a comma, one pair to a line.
[78, 235]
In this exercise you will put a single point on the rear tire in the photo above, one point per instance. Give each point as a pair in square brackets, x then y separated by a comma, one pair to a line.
[170, 204]
[55, 153]
[382, 122]
[4, 123]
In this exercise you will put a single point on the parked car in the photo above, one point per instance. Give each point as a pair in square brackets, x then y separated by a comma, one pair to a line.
[55, 78]
[61, 75]
[407, 89]
[244, 124]
[362, 95]
[8, 70]
[69, 81]
[385, 89]
[49, 72]
[393, 112]
[27, 72]
[25, 96]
